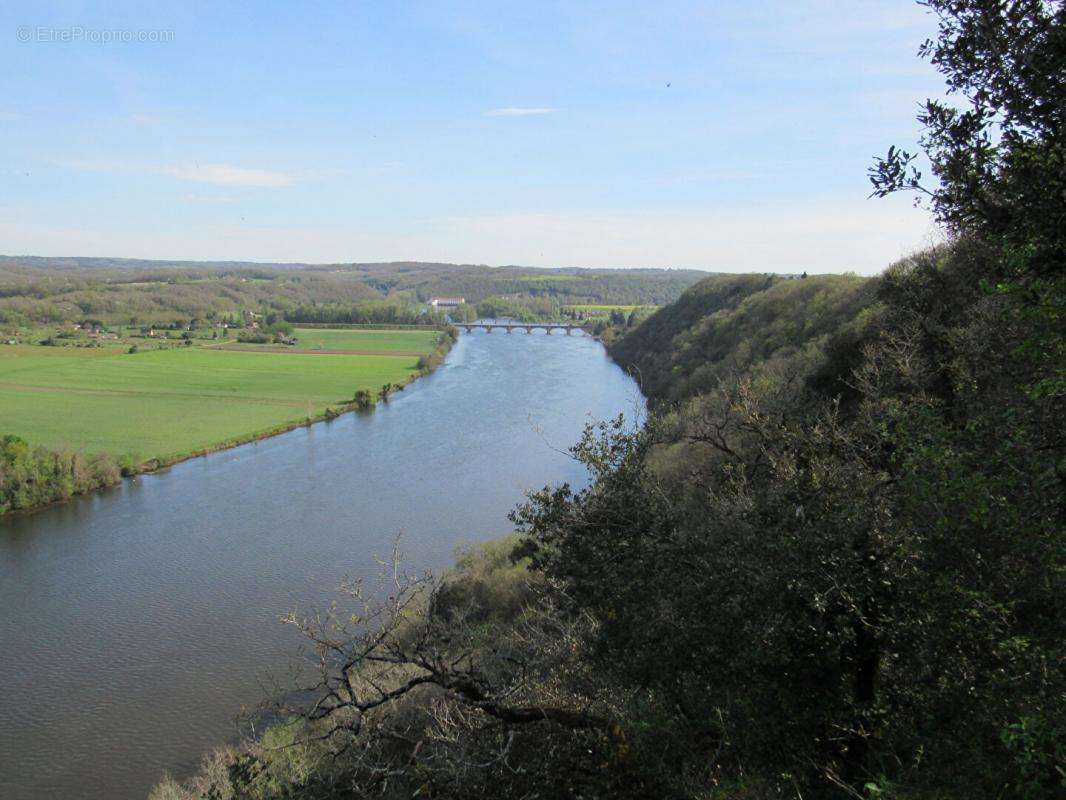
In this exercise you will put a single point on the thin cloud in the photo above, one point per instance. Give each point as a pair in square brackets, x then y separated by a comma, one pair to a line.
[518, 112]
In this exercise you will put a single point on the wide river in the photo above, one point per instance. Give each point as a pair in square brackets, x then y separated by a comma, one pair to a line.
[136, 623]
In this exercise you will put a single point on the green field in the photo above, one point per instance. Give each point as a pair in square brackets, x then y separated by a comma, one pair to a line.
[340, 340]
[361, 339]
[167, 403]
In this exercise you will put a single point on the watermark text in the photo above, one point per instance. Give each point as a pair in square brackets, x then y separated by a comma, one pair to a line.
[77, 33]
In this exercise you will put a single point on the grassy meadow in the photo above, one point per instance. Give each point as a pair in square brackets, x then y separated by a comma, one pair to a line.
[365, 340]
[357, 341]
[163, 404]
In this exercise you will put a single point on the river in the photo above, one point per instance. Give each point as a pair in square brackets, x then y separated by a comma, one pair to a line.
[136, 623]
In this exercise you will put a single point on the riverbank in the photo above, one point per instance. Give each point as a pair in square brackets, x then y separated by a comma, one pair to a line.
[427, 364]
[482, 596]
[110, 395]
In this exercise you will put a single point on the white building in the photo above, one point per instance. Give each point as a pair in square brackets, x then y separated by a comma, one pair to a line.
[446, 302]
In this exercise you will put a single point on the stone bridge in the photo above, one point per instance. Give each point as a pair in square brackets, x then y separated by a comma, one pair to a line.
[528, 327]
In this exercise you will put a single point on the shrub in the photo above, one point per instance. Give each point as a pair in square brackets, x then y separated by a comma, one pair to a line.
[31, 477]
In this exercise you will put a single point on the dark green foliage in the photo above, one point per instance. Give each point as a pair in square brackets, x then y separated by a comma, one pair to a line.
[31, 477]
[843, 600]
[428, 362]
[1000, 151]
[523, 308]
[254, 337]
[726, 324]
[363, 400]
[366, 313]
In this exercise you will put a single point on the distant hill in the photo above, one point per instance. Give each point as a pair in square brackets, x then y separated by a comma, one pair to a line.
[368, 267]
[42, 289]
[89, 262]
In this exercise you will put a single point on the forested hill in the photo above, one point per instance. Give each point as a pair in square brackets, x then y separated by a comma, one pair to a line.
[419, 278]
[726, 325]
[35, 290]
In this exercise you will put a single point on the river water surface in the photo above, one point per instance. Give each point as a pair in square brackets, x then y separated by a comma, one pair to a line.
[135, 623]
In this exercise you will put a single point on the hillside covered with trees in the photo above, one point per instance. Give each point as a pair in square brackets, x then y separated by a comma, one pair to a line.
[730, 324]
[829, 566]
[35, 290]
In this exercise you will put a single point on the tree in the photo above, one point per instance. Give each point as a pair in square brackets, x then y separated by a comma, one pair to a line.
[999, 157]
[363, 400]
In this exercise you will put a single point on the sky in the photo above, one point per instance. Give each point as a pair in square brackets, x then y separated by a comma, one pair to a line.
[726, 136]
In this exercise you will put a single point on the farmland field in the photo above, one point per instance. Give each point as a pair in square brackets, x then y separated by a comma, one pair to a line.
[167, 403]
[360, 339]
[350, 341]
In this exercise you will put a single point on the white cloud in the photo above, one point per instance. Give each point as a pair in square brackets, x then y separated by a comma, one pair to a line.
[518, 112]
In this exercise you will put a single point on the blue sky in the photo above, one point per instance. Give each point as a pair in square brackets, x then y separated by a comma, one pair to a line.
[716, 135]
